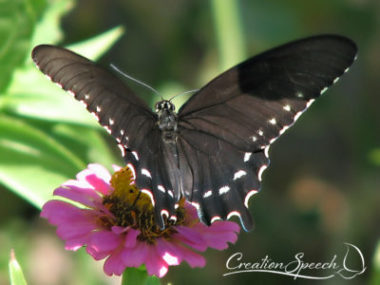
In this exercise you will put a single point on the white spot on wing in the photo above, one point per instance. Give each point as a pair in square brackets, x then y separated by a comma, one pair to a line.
[146, 172]
[132, 168]
[198, 207]
[135, 155]
[164, 212]
[149, 193]
[324, 90]
[266, 151]
[260, 132]
[335, 80]
[308, 104]
[247, 156]
[284, 129]
[122, 149]
[71, 93]
[111, 121]
[108, 129]
[261, 170]
[299, 95]
[86, 96]
[239, 174]
[95, 115]
[233, 213]
[224, 189]
[170, 192]
[287, 108]
[249, 195]
[273, 140]
[298, 115]
[161, 188]
[215, 218]
[98, 109]
[272, 121]
[207, 194]
[254, 138]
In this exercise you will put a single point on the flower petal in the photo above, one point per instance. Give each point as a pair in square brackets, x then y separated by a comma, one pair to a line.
[131, 238]
[155, 264]
[134, 257]
[191, 237]
[103, 242]
[114, 264]
[98, 177]
[85, 196]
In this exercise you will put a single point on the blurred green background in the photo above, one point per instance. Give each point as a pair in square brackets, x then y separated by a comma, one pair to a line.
[321, 190]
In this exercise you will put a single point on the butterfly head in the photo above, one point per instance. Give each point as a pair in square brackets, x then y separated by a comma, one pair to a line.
[164, 105]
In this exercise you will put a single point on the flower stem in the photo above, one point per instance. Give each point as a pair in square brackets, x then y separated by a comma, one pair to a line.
[229, 32]
[138, 276]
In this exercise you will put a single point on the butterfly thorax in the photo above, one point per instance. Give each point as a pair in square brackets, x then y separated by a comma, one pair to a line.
[167, 120]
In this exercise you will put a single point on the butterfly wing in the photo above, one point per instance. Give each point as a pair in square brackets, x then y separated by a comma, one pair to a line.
[227, 127]
[124, 115]
[115, 106]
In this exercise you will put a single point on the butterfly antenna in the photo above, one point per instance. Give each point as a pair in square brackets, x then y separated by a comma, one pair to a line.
[135, 80]
[183, 93]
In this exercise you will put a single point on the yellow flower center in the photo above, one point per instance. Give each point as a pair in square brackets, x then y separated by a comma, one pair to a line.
[131, 207]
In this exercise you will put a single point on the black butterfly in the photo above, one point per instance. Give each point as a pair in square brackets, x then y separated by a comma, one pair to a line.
[215, 149]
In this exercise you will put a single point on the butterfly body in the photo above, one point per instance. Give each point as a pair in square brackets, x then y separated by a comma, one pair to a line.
[214, 150]
[167, 121]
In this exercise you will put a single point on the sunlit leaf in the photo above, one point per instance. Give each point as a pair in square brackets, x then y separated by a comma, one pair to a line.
[15, 272]
[32, 163]
[48, 28]
[17, 22]
[95, 47]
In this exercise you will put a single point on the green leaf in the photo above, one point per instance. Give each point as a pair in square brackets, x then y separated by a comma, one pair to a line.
[15, 272]
[95, 47]
[48, 29]
[17, 22]
[32, 95]
[32, 163]
[87, 143]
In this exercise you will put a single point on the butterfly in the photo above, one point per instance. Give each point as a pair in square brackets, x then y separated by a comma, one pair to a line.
[213, 151]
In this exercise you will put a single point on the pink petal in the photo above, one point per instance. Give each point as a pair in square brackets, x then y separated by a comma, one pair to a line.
[190, 237]
[97, 176]
[155, 265]
[219, 234]
[169, 252]
[103, 241]
[192, 258]
[114, 264]
[85, 196]
[131, 238]
[134, 257]
[75, 243]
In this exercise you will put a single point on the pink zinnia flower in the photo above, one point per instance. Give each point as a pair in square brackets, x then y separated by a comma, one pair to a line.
[116, 222]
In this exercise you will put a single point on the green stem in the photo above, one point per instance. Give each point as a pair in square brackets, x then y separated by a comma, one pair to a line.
[229, 32]
[138, 276]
